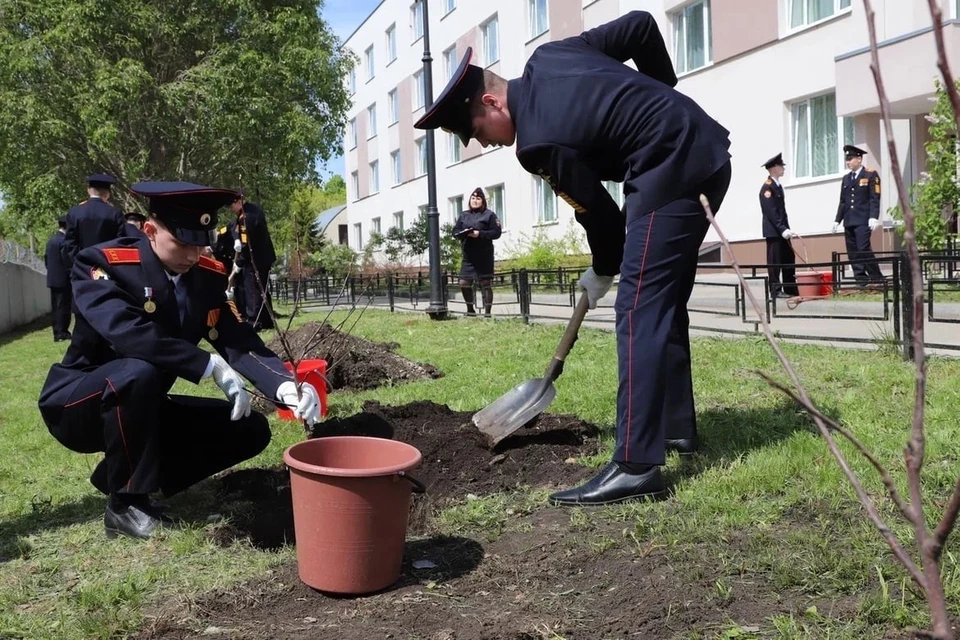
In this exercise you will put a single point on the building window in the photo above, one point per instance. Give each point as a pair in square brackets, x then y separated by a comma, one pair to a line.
[376, 225]
[448, 6]
[490, 37]
[453, 148]
[545, 200]
[368, 54]
[422, 156]
[355, 185]
[419, 90]
[805, 12]
[396, 167]
[393, 107]
[692, 37]
[398, 220]
[352, 80]
[615, 189]
[422, 211]
[537, 17]
[353, 133]
[358, 235]
[375, 177]
[497, 204]
[454, 208]
[391, 43]
[449, 63]
[817, 143]
[372, 120]
[416, 20]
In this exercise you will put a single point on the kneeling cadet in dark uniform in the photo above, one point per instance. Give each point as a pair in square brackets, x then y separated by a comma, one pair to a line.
[143, 304]
[579, 117]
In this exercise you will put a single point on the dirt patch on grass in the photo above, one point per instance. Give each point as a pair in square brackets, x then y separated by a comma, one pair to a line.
[456, 463]
[543, 578]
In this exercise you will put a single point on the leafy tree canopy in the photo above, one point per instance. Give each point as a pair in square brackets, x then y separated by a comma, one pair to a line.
[222, 92]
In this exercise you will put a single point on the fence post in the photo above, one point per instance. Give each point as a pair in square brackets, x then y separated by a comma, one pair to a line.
[897, 333]
[906, 295]
[524, 295]
[390, 290]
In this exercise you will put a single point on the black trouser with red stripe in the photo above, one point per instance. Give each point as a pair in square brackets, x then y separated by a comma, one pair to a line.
[655, 394]
[151, 441]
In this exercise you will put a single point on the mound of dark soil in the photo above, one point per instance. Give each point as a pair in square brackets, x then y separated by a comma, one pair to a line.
[456, 463]
[353, 363]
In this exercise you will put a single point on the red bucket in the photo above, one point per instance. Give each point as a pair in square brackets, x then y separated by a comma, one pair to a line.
[313, 372]
[826, 284]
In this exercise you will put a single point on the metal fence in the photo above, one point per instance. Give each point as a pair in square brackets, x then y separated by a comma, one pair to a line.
[841, 312]
[15, 254]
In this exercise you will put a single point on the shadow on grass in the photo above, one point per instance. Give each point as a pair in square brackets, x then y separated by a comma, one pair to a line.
[43, 323]
[727, 433]
[13, 533]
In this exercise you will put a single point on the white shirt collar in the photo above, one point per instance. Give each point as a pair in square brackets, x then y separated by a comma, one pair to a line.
[857, 172]
[175, 279]
[776, 180]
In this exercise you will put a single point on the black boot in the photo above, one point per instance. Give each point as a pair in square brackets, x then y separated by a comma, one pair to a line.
[683, 446]
[467, 293]
[487, 300]
[612, 485]
[131, 516]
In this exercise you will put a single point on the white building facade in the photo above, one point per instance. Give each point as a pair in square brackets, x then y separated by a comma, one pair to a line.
[788, 76]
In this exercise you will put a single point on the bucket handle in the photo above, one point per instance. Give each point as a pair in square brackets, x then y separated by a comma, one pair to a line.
[418, 487]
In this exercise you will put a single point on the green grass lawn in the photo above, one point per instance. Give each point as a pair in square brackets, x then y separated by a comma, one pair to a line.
[764, 479]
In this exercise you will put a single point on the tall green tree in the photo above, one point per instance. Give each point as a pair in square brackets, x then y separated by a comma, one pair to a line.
[223, 92]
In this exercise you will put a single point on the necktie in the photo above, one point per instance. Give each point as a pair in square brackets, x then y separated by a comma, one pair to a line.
[180, 288]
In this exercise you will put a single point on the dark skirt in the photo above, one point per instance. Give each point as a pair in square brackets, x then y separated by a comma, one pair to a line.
[476, 265]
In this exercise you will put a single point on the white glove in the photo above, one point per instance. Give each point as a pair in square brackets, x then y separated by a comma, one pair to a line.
[836, 227]
[236, 268]
[237, 246]
[231, 384]
[307, 407]
[229, 293]
[595, 286]
[874, 224]
[787, 234]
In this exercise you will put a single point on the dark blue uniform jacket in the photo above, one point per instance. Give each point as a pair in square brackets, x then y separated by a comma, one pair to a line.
[108, 287]
[583, 117]
[58, 275]
[774, 209]
[91, 222]
[859, 198]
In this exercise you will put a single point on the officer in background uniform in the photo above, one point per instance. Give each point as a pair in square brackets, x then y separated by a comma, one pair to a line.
[223, 250]
[257, 255]
[776, 231]
[143, 305]
[580, 117]
[94, 220]
[859, 211]
[135, 222]
[58, 281]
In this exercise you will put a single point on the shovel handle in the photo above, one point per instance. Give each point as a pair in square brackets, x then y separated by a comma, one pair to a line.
[555, 368]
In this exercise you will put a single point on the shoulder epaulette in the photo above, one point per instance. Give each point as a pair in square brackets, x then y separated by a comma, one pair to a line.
[122, 255]
[769, 181]
[212, 265]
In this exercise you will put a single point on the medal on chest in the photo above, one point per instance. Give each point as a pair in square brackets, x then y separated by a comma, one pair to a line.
[149, 306]
[213, 317]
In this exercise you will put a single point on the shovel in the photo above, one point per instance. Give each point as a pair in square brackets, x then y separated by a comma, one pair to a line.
[528, 399]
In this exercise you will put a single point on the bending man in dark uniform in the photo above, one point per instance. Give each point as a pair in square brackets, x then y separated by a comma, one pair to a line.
[777, 232]
[94, 220]
[579, 117]
[477, 228]
[143, 305]
[58, 281]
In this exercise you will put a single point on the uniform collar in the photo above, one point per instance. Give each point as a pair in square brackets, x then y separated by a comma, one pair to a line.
[514, 103]
[856, 173]
[776, 181]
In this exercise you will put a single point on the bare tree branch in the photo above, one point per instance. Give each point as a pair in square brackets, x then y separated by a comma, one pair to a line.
[801, 395]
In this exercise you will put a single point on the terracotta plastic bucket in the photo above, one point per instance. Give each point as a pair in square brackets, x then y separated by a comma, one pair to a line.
[826, 284]
[313, 372]
[351, 499]
[808, 284]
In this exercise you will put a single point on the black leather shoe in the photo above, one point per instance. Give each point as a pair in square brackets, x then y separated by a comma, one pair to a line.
[611, 486]
[683, 446]
[132, 522]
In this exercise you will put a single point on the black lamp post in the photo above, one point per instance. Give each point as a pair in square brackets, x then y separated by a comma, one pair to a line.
[438, 303]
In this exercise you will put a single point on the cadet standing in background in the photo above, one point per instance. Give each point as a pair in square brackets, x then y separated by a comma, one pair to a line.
[58, 281]
[859, 211]
[94, 220]
[252, 241]
[776, 232]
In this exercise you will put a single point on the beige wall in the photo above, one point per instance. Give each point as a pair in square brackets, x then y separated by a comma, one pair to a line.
[742, 25]
[408, 150]
[566, 18]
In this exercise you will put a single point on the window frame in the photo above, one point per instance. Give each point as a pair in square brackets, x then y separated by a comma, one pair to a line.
[374, 182]
[369, 60]
[421, 145]
[416, 21]
[398, 220]
[448, 6]
[540, 188]
[454, 149]
[375, 225]
[839, 7]
[352, 133]
[391, 42]
[532, 6]
[372, 121]
[358, 235]
[455, 207]
[419, 90]
[355, 185]
[396, 167]
[678, 19]
[502, 212]
[843, 137]
[484, 38]
[393, 107]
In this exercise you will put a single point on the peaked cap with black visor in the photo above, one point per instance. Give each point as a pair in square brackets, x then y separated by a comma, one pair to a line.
[452, 110]
[188, 210]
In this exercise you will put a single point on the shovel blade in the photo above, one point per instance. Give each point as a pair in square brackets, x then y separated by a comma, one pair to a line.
[514, 409]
